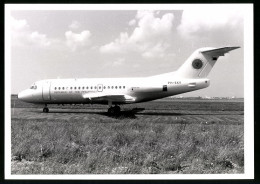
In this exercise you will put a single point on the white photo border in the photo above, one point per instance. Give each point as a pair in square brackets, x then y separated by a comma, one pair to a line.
[248, 93]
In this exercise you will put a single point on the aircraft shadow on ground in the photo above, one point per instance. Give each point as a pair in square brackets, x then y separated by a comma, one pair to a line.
[123, 114]
[136, 111]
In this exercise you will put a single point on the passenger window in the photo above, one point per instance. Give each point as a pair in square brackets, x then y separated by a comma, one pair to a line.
[87, 87]
[104, 87]
[63, 88]
[55, 88]
[108, 87]
[70, 87]
[59, 88]
[91, 87]
[116, 87]
[119, 87]
[95, 87]
[112, 87]
[83, 87]
[75, 87]
[124, 87]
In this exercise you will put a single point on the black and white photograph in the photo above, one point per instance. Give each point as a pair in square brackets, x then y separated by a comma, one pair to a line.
[137, 91]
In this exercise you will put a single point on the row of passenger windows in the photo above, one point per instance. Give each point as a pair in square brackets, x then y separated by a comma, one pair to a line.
[91, 87]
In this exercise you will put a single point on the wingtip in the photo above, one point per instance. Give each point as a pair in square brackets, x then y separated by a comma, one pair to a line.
[233, 48]
[236, 47]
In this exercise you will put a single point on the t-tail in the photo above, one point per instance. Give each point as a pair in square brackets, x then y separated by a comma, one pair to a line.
[200, 63]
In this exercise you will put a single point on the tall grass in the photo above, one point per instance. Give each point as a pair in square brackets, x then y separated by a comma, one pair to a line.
[125, 146]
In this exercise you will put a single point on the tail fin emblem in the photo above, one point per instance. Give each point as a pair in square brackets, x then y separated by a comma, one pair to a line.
[197, 64]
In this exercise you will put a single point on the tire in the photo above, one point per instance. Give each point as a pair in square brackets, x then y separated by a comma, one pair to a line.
[110, 110]
[117, 109]
[114, 110]
[45, 110]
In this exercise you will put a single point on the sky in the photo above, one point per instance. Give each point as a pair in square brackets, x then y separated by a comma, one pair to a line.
[48, 44]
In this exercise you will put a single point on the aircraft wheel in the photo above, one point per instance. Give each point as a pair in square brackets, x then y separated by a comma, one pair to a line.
[117, 109]
[45, 109]
[111, 110]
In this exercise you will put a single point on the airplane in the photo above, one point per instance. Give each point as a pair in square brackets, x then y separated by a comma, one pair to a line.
[191, 76]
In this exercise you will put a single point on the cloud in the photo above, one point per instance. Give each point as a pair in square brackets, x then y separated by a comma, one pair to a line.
[75, 25]
[136, 65]
[39, 39]
[132, 22]
[150, 27]
[157, 50]
[19, 25]
[118, 62]
[196, 22]
[75, 41]
[22, 35]
[149, 38]
[120, 45]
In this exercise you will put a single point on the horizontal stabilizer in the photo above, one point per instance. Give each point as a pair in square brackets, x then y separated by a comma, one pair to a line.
[219, 51]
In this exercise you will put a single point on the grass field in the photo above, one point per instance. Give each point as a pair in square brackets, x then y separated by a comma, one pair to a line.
[169, 136]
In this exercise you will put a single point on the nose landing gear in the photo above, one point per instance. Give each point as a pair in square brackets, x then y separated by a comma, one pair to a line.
[45, 109]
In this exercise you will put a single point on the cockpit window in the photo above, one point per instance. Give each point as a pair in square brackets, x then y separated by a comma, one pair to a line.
[33, 86]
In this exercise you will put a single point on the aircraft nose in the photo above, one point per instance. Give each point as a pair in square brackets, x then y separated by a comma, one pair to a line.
[24, 95]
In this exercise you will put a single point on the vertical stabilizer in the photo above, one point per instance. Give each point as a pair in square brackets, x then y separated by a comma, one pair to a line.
[200, 63]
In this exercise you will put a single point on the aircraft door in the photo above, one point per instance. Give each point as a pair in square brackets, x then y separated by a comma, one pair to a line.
[46, 90]
[164, 87]
[100, 87]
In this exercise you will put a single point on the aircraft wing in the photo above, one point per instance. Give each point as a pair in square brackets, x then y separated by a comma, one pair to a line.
[109, 97]
[219, 51]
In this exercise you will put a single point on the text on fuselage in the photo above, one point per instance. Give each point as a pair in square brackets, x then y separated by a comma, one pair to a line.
[174, 82]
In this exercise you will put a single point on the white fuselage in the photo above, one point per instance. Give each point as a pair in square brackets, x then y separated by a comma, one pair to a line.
[190, 76]
[72, 91]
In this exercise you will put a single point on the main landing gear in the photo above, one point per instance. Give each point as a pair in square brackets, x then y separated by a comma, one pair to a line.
[45, 109]
[114, 110]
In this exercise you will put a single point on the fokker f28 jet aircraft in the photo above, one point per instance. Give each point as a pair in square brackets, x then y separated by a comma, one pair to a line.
[190, 76]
